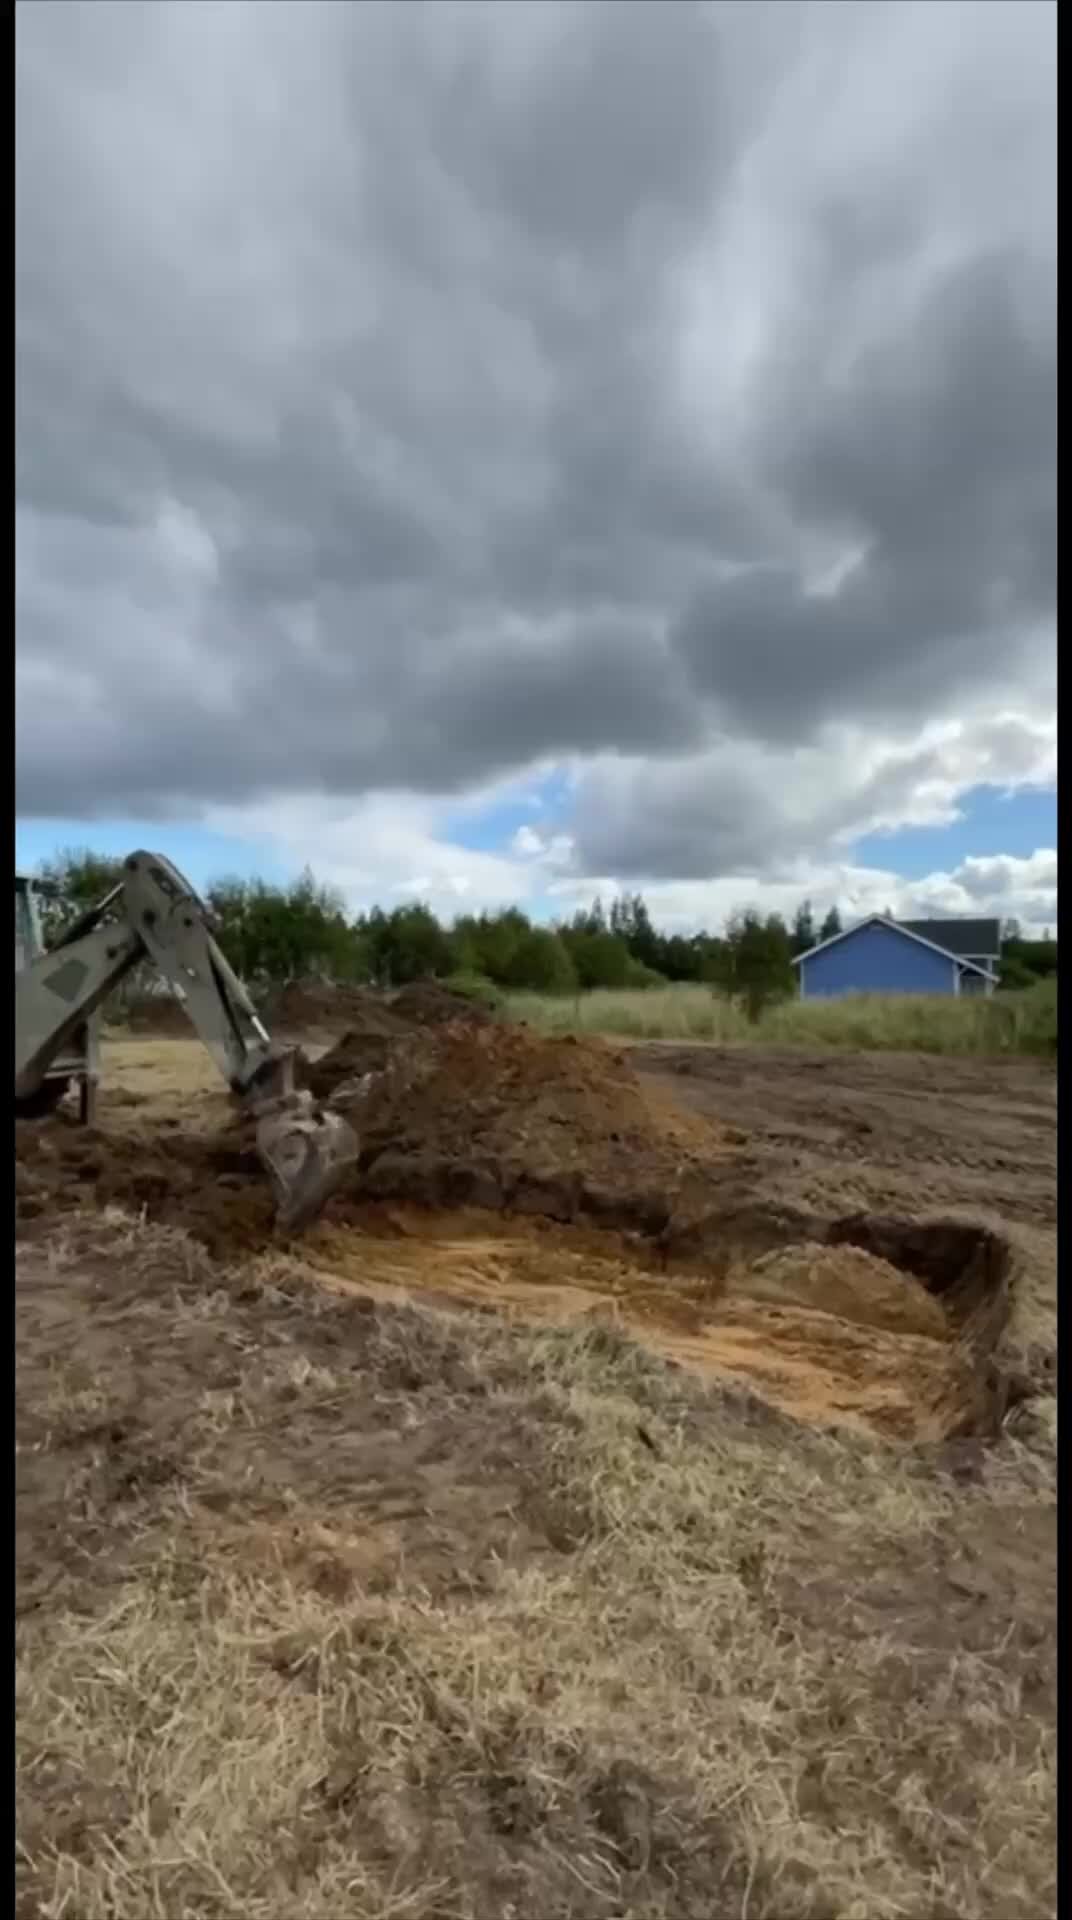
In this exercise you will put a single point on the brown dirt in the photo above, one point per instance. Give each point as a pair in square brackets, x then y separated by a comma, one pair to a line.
[895, 1323]
[311, 1007]
[336, 1606]
[494, 1114]
[900, 1132]
[394, 1571]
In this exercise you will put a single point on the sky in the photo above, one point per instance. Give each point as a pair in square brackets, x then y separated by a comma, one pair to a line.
[508, 453]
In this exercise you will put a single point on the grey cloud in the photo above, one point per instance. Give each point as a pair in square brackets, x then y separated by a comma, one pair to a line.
[938, 457]
[388, 302]
[732, 811]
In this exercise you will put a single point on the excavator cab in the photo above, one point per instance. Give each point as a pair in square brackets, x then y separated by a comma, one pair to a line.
[78, 1062]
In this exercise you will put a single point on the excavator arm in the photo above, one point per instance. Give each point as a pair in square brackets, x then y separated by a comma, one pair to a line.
[154, 914]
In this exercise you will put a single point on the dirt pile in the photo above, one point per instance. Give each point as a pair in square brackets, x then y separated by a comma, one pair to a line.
[312, 1006]
[476, 1113]
[450, 1113]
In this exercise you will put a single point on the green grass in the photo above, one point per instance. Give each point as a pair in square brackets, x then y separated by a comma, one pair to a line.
[1006, 1023]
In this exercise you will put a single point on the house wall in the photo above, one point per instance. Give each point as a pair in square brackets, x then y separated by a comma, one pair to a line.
[876, 960]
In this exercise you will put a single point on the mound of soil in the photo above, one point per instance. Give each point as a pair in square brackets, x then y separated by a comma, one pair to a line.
[478, 1113]
[428, 1003]
[381, 1024]
[310, 1006]
[453, 1113]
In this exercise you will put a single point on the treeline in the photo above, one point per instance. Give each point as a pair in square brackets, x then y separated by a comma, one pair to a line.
[272, 934]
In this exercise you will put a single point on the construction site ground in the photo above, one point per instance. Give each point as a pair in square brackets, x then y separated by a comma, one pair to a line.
[635, 1496]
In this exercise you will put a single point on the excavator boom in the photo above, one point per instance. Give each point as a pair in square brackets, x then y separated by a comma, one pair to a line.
[154, 914]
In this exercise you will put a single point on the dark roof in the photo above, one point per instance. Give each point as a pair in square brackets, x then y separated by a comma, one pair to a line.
[968, 939]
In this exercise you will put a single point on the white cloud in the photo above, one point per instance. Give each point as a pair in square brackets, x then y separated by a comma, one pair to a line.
[386, 849]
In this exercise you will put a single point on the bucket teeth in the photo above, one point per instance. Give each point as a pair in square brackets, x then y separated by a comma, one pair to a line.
[307, 1154]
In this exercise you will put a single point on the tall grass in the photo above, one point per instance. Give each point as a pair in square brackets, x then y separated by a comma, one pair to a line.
[913, 1023]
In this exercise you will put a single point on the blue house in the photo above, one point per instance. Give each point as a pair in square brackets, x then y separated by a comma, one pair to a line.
[903, 956]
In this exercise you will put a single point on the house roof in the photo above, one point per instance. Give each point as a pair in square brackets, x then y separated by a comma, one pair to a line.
[962, 937]
[906, 931]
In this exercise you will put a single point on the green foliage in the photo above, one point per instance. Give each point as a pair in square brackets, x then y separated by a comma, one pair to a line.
[272, 934]
[473, 986]
[643, 979]
[831, 925]
[541, 963]
[1025, 961]
[408, 944]
[75, 878]
[486, 943]
[616, 957]
[756, 969]
[600, 958]
[804, 935]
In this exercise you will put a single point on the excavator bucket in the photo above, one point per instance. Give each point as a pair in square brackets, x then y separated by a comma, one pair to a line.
[307, 1153]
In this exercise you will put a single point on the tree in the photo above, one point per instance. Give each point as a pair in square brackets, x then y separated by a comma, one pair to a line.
[757, 969]
[831, 926]
[631, 922]
[541, 964]
[273, 934]
[486, 943]
[599, 957]
[74, 879]
[408, 944]
[803, 929]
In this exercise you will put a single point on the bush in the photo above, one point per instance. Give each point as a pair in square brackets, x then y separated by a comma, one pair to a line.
[641, 978]
[541, 964]
[478, 988]
[599, 959]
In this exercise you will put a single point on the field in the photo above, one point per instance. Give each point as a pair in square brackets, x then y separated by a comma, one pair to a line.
[636, 1498]
[1023, 1022]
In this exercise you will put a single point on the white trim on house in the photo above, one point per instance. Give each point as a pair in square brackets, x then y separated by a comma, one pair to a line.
[880, 920]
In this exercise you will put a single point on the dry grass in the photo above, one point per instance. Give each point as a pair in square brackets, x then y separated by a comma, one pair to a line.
[910, 1023]
[389, 1612]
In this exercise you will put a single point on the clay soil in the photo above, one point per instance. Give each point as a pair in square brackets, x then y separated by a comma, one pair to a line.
[635, 1497]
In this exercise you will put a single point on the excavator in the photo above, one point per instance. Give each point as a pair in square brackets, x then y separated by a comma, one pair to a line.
[153, 914]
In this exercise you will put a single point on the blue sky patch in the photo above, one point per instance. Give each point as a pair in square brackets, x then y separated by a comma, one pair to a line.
[202, 856]
[993, 822]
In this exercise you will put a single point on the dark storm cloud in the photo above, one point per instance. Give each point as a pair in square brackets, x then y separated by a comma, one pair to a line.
[938, 457]
[355, 442]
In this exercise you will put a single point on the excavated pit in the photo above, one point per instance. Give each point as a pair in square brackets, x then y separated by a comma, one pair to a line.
[541, 1176]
